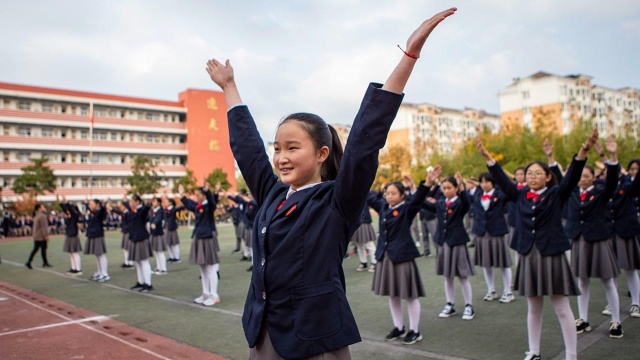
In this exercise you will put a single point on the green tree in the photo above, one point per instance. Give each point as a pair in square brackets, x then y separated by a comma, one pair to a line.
[218, 176]
[188, 181]
[144, 178]
[394, 162]
[241, 183]
[35, 179]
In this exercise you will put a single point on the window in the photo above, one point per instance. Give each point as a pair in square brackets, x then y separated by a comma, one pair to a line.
[101, 112]
[24, 156]
[526, 94]
[63, 158]
[47, 132]
[24, 131]
[526, 110]
[83, 110]
[24, 105]
[99, 135]
[83, 134]
[84, 158]
[47, 107]
[114, 136]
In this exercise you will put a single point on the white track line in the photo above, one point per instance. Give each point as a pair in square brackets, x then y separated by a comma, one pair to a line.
[89, 327]
[96, 318]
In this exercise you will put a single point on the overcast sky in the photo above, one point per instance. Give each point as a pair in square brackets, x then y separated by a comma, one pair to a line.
[315, 56]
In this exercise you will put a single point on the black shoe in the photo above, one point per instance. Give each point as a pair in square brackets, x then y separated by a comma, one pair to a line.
[47, 265]
[171, 260]
[124, 266]
[137, 286]
[394, 334]
[146, 288]
[412, 338]
[582, 326]
[177, 261]
[615, 331]
[28, 265]
[218, 273]
[531, 356]
[71, 271]
[250, 268]
[244, 258]
[235, 250]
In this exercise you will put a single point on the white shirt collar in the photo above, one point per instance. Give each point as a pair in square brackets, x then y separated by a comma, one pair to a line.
[490, 192]
[396, 205]
[540, 191]
[452, 199]
[308, 186]
[587, 189]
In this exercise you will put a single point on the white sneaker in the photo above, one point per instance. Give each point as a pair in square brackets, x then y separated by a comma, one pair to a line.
[95, 277]
[211, 301]
[468, 313]
[372, 268]
[160, 272]
[606, 311]
[200, 299]
[447, 311]
[634, 311]
[104, 278]
[507, 298]
[490, 296]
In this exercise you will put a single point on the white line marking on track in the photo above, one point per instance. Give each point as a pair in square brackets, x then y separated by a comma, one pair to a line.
[95, 318]
[89, 327]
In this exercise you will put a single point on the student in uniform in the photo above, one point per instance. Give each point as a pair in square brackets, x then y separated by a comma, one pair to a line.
[250, 210]
[452, 256]
[204, 244]
[398, 276]
[490, 228]
[158, 245]
[296, 304]
[363, 240]
[139, 243]
[238, 225]
[172, 239]
[95, 243]
[543, 269]
[72, 243]
[592, 254]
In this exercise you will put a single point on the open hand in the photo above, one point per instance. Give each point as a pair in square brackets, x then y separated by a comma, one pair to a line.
[221, 74]
[547, 147]
[419, 37]
[612, 145]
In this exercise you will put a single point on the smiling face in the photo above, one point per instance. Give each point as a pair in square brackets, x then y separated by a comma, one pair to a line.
[537, 177]
[393, 195]
[295, 157]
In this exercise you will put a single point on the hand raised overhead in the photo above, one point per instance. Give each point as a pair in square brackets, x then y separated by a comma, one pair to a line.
[419, 36]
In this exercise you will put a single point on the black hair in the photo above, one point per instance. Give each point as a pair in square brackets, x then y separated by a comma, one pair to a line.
[97, 202]
[201, 189]
[321, 134]
[547, 172]
[633, 161]
[400, 186]
[136, 197]
[452, 180]
[37, 208]
[591, 169]
[157, 199]
[172, 202]
[487, 177]
[243, 191]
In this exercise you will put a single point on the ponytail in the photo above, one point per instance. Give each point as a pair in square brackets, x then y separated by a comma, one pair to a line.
[331, 165]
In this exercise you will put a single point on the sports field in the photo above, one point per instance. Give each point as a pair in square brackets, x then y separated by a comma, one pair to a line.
[498, 331]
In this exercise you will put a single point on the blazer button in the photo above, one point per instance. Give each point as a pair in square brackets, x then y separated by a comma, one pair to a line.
[533, 218]
[263, 261]
[264, 230]
[264, 295]
[581, 222]
[533, 207]
[533, 231]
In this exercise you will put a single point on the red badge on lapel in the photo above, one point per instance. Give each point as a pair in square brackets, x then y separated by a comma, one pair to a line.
[395, 213]
[291, 210]
[621, 192]
[201, 211]
[592, 197]
[450, 211]
[495, 199]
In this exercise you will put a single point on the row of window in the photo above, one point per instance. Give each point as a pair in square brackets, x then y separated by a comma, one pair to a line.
[83, 158]
[83, 134]
[83, 109]
[84, 182]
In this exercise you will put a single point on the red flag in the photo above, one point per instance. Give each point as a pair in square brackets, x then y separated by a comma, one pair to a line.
[92, 119]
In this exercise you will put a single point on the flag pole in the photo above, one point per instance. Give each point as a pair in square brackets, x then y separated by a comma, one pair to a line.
[91, 151]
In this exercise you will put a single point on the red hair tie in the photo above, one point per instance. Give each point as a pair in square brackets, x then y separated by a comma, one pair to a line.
[413, 56]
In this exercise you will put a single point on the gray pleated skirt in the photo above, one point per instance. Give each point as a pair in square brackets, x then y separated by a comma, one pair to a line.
[204, 252]
[627, 252]
[72, 244]
[247, 236]
[125, 243]
[400, 280]
[538, 275]
[264, 350]
[593, 259]
[239, 228]
[363, 234]
[95, 246]
[158, 244]
[140, 250]
[454, 261]
[492, 251]
[171, 238]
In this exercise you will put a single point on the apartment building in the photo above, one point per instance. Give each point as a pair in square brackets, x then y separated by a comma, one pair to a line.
[93, 158]
[560, 102]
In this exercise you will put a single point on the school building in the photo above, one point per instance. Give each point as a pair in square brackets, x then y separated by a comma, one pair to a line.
[190, 132]
[558, 103]
[425, 128]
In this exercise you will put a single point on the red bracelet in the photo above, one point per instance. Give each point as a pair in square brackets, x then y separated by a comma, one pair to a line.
[413, 56]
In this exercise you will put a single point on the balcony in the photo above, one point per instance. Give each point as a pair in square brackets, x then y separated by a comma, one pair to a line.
[66, 144]
[6, 165]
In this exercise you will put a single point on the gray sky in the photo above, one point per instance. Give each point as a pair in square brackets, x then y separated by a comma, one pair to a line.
[315, 56]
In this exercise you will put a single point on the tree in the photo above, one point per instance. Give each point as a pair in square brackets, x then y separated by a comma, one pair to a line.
[394, 162]
[218, 176]
[241, 183]
[144, 178]
[35, 179]
[188, 181]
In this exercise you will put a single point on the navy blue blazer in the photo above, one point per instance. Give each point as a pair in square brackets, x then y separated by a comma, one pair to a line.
[94, 222]
[587, 218]
[73, 214]
[156, 217]
[249, 209]
[170, 219]
[540, 222]
[125, 220]
[365, 217]
[450, 219]
[395, 226]
[297, 285]
[205, 224]
[621, 209]
[492, 220]
[137, 222]
[241, 211]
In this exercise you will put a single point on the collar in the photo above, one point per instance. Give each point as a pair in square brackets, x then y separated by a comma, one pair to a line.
[155, 209]
[308, 186]
[539, 191]
[587, 189]
[452, 199]
[139, 207]
[488, 193]
[170, 207]
[396, 205]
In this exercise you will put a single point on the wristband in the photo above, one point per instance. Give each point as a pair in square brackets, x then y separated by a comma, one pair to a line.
[413, 56]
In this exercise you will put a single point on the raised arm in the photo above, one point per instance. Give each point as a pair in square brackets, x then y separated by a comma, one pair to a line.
[502, 180]
[613, 168]
[572, 177]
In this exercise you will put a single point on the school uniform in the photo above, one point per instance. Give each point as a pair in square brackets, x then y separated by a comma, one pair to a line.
[71, 240]
[592, 246]
[125, 227]
[490, 228]
[452, 257]
[171, 224]
[250, 211]
[204, 244]
[626, 227]
[365, 232]
[397, 274]
[539, 237]
[140, 247]
[297, 292]
[156, 216]
[512, 215]
[95, 243]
